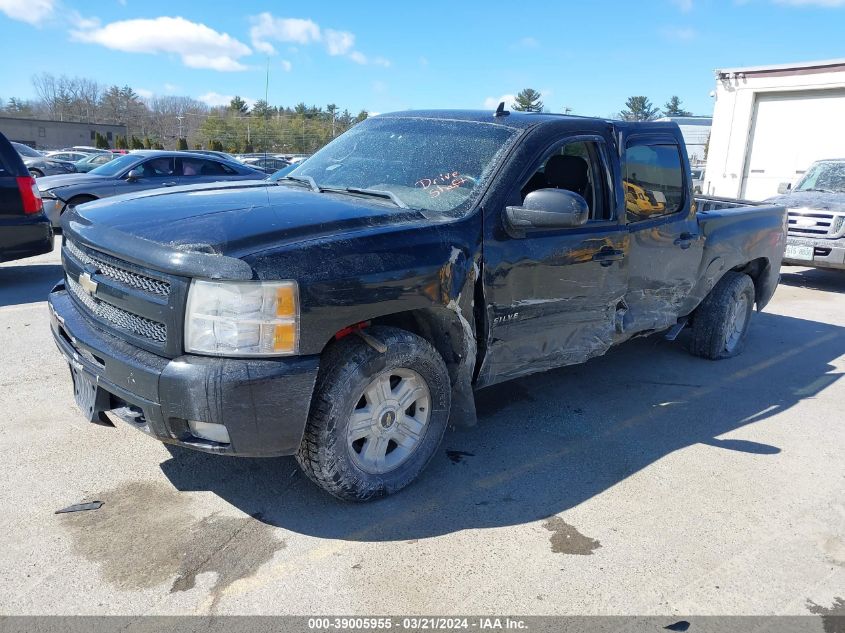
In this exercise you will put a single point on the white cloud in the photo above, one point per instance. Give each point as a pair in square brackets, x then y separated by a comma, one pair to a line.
[267, 28]
[30, 11]
[286, 65]
[685, 6]
[358, 57]
[679, 33]
[527, 42]
[220, 51]
[338, 42]
[144, 93]
[171, 88]
[214, 99]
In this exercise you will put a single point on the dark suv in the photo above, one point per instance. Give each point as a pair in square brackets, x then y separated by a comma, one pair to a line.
[24, 229]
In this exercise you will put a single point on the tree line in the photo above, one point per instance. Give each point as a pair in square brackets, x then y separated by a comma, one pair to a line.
[637, 108]
[167, 121]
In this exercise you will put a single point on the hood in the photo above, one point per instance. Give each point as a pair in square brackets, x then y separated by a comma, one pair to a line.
[238, 218]
[49, 183]
[816, 200]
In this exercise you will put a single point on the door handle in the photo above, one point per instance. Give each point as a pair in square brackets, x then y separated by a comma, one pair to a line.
[685, 240]
[168, 184]
[607, 256]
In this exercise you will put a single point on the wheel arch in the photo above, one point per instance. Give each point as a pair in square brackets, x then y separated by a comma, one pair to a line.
[760, 272]
[451, 335]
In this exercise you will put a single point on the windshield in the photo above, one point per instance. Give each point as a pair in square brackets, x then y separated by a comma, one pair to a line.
[825, 176]
[428, 164]
[115, 166]
[26, 150]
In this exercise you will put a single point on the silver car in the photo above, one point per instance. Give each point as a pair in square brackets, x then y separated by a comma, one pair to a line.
[40, 165]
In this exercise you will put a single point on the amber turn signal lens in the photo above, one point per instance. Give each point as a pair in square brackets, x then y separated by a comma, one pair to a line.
[286, 301]
[284, 337]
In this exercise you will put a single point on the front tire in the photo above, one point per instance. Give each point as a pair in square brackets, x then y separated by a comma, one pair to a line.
[720, 324]
[36, 173]
[376, 418]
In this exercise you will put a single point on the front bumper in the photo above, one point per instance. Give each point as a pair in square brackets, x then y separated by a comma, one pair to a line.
[262, 403]
[827, 253]
[53, 210]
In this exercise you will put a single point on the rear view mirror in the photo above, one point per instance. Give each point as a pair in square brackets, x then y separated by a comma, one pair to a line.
[546, 210]
[134, 174]
[784, 187]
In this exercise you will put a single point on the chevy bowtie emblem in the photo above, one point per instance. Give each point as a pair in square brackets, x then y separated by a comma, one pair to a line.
[88, 284]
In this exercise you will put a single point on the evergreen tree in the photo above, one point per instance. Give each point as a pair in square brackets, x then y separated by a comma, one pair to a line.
[136, 143]
[100, 141]
[528, 100]
[238, 105]
[182, 144]
[673, 108]
[639, 109]
[120, 143]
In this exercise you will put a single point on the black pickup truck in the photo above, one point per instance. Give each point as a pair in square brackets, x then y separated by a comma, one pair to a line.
[345, 313]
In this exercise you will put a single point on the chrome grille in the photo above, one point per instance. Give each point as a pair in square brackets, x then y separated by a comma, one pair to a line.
[112, 268]
[118, 318]
[811, 223]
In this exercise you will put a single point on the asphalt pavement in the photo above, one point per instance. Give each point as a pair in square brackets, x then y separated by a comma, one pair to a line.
[644, 482]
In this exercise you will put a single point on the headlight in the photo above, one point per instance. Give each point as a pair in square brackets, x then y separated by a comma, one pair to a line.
[242, 318]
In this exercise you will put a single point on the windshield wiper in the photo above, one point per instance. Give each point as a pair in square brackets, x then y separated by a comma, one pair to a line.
[819, 190]
[375, 193]
[306, 180]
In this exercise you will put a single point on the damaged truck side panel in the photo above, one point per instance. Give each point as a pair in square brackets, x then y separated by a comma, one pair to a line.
[572, 236]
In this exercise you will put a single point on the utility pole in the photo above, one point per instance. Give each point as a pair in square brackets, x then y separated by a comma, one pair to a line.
[179, 118]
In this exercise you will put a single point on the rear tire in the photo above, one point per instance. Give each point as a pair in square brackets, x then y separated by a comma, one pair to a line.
[376, 418]
[720, 324]
[36, 173]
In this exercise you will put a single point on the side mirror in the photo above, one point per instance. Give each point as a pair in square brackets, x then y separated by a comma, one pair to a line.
[784, 187]
[135, 174]
[546, 210]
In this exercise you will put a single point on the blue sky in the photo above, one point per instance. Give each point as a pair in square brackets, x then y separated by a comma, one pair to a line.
[587, 56]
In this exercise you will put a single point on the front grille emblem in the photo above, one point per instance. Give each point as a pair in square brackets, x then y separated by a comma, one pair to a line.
[87, 284]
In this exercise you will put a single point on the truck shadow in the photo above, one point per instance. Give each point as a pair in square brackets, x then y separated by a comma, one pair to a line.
[814, 278]
[549, 442]
[27, 284]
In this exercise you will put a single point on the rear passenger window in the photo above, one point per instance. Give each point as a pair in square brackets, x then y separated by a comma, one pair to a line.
[654, 180]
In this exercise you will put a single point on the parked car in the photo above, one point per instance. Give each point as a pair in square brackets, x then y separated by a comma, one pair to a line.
[697, 180]
[345, 313]
[39, 165]
[72, 156]
[24, 229]
[278, 175]
[88, 149]
[267, 164]
[816, 207]
[137, 171]
[211, 152]
[93, 161]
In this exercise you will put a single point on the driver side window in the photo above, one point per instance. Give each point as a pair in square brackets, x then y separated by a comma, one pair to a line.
[575, 166]
[159, 167]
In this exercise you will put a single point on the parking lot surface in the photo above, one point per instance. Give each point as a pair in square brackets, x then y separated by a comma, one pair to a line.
[644, 482]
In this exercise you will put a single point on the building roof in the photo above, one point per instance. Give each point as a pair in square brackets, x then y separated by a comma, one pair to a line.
[24, 119]
[796, 68]
[688, 120]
